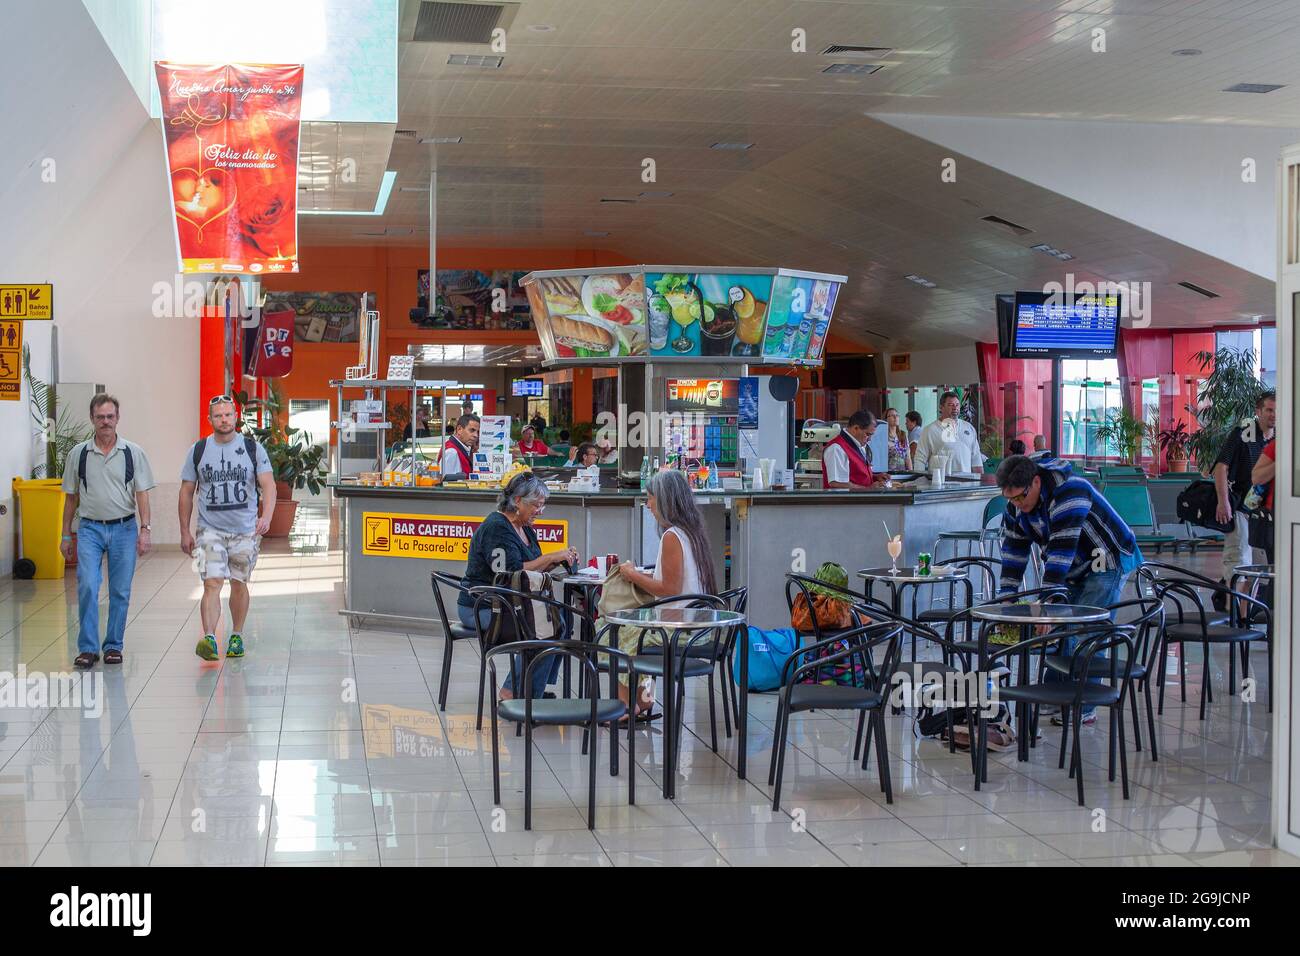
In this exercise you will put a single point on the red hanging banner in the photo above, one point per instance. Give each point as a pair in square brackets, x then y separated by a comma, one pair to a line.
[274, 356]
[231, 134]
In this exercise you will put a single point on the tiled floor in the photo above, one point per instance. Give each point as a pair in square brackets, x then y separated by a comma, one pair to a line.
[324, 747]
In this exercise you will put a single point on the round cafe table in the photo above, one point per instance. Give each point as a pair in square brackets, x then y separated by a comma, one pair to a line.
[899, 580]
[1028, 617]
[676, 627]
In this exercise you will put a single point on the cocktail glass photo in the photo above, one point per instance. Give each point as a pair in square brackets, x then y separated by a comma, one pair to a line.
[685, 309]
[750, 315]
[661, 316]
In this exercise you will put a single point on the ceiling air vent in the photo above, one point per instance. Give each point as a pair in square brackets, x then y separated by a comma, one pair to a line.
[1199, 291]
[409, 134]
[439, 22]
[839, 49]
[1253, 87]
[857, 69]
[1015, 227]
[476, 59]
[619, 200]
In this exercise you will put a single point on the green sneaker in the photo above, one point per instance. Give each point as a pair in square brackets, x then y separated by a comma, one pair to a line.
[236, 646]
[207, 647]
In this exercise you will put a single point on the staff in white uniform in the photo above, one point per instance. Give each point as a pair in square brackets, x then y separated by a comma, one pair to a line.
[458, 450]
[949, 436]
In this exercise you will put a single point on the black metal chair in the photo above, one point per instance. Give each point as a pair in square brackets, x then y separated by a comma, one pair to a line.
[737, 600]
[452, 630]
[588, 712]
[1146, 627]
[1079, 689]
[506, 625]
[1202, 629]
[953, 615]
[868, 698]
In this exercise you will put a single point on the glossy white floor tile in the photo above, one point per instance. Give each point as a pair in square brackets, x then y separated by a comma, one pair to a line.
[324, 747]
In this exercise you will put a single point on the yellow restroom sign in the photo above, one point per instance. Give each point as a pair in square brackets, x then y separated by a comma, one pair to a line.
[32, 301]
[439, 537]
[11, 360]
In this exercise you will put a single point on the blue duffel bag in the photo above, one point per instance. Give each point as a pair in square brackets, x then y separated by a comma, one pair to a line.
[768, 652]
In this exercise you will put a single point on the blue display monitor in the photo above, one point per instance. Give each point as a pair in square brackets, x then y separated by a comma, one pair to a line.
[1066, 325]
[526, 388]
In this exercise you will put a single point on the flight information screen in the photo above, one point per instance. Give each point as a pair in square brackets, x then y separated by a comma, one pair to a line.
[1065, 324]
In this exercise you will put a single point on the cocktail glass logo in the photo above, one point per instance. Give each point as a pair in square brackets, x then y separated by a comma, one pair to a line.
[1134, 298]
[60, 689]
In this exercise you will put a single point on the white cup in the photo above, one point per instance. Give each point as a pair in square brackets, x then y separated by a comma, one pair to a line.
[600, 565]
[936, 479]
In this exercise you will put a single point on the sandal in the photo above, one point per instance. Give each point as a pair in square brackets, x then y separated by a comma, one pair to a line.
[85, 660]
[644, 717]
[113, 657]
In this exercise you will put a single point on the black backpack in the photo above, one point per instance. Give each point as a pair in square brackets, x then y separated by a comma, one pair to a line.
[196, 456]
[1198, 503]
[85, 454]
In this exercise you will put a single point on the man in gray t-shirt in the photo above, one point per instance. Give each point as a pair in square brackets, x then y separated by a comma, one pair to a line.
[235, 489]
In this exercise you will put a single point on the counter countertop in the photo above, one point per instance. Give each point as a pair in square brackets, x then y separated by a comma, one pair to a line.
[921, 494]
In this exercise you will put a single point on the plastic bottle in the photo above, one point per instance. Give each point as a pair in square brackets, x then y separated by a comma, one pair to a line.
[645, 472]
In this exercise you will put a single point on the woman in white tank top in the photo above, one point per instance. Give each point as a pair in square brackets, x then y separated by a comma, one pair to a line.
[684, 564]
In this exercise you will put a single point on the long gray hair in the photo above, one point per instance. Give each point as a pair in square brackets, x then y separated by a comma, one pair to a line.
[524, 486]
[677, 509]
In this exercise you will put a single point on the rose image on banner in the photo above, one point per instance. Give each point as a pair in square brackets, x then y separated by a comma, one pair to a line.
[231, 135]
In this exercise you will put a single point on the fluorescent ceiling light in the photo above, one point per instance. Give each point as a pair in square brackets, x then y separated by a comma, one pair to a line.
[857, 69]
[439, 140]
[475, 59]
[731, 146]
[1253, 87]
[381, 201]
[921, 282]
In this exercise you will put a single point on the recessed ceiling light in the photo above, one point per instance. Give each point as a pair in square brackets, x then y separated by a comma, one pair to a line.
[475, 59]
[541, 28]
[1052, 251]
[618, 200]
[858, 69]
[731, 146]
[921, 282]
[838, 49]
[439, 140]
[1254, 87]
[655, 194]
[1187, 52]
[412, 189]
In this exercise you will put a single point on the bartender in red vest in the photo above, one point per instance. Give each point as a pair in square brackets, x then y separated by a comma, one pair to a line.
[846, 463]
[458, 451]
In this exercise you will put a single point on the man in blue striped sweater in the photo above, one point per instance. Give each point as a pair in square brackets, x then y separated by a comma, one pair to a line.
[1085, 544]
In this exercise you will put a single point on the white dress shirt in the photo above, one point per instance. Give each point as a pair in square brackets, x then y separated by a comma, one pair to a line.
[952, 437]
[835, 460]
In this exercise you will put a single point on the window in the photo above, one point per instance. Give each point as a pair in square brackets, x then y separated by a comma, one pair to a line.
[1091, 392]
[1261, 341]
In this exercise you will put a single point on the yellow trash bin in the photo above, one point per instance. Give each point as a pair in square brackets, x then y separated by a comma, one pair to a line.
[40, 503]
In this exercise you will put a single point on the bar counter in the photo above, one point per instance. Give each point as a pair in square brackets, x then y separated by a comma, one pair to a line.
[769, 532]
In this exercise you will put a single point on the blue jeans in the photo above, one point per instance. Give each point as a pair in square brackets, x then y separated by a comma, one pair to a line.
[94, 540]
[543, 674]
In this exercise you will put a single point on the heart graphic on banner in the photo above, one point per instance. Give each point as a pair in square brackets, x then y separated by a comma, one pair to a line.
[202, 196]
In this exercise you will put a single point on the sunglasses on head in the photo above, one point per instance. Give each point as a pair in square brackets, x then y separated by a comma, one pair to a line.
[219, 399]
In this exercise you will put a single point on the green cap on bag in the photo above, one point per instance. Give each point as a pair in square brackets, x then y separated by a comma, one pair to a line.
[834, 574]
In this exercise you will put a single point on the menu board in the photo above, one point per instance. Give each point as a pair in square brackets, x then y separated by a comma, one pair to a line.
[799, 319]
[594, 316]
[706, 313]
[717, 396]
[756, 317]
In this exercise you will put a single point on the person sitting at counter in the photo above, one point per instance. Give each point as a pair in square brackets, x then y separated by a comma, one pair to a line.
[949, 436]
[1040, 443]
[846, 461]
[1017, 447]
[529, 444]
[584, 455]
[422, 416]
[606, 454]
[458, 450]
[684, 564]
[506, 541]
[897, 444]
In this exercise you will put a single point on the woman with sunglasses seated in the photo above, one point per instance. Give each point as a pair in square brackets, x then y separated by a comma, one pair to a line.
[506, 541]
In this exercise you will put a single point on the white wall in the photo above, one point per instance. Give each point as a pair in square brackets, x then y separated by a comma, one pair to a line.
[958, 366]
[1180, 181]
[101, 232]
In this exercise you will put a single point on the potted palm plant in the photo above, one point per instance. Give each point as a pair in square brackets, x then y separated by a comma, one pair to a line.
[59, 429]
[1125, 431]
[1224, 398]
[295, 461]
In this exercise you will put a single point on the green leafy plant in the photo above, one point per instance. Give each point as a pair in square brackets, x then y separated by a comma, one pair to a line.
[1175, 441]
[295, 460]
[1126, 432]
[58, 427]
[994, 433]
[1224, 398]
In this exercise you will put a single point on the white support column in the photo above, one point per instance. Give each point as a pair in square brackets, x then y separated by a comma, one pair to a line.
[1286, 666]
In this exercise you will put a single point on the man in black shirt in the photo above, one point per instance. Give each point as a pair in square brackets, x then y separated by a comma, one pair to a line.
[1232, 479]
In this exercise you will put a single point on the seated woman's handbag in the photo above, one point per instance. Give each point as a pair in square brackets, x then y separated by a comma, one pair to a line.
[541, 622]
[619, 593]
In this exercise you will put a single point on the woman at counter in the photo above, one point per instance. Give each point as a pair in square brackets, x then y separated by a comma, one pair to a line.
[897, 443]
[684, 564]
[506, 541]
[529, 444]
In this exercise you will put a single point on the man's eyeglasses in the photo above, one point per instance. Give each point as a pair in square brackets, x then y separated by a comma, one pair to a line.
[1016, 499]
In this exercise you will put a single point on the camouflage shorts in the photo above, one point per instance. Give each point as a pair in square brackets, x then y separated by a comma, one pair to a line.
[222, 555]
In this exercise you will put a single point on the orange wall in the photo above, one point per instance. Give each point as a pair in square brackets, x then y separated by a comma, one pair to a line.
[391, 273]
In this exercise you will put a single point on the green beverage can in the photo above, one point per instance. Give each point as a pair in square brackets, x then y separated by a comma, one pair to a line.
[923, 564]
